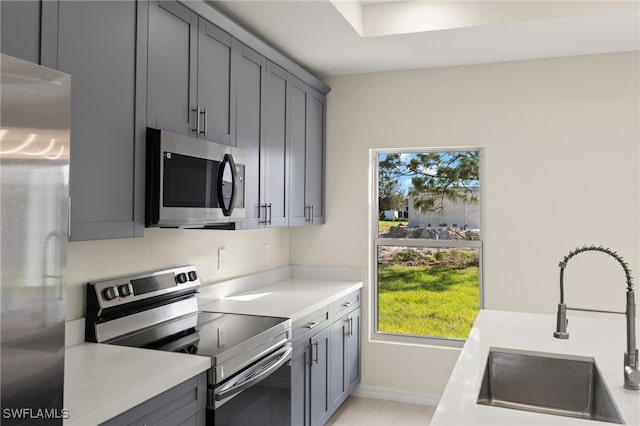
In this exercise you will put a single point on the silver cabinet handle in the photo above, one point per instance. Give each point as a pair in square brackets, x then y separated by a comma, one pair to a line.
[312, 212]
[311, 325]
[348, 326]
[346, 305]
[198, 112]
[267, 213]
[206, 126]
[265, 220]
[317, 352]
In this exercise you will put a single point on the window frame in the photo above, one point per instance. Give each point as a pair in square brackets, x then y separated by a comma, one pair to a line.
[376, 242]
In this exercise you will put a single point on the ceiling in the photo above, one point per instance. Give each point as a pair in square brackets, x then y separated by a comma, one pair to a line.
[339, 37]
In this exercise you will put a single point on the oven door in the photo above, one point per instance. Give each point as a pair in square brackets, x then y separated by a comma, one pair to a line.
[260, 394]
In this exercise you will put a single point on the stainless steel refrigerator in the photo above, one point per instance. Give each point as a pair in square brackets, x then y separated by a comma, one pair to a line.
[34, 212]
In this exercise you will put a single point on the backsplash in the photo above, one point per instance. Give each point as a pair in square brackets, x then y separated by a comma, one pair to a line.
[165, 248]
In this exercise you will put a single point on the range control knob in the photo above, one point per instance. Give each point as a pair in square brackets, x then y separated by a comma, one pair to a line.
[110, 293]
[181, 278]
[124, 290]
[193, 276]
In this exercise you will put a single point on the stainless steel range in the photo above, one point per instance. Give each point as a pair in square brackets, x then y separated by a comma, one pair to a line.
[249, 381]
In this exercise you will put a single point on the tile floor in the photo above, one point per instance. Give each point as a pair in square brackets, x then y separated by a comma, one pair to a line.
[377, 412]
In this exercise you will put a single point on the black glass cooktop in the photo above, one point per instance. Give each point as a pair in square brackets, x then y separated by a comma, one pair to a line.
[204, 333]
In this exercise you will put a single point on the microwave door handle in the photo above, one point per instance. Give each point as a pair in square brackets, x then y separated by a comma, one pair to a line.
[227, 159]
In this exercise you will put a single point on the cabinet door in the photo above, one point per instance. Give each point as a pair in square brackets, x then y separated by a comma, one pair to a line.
[314, 160]
[215, 82]
[352, 358]
[274, 153]
[299, 384]
[97, 46]
[184, 404]
[172, 60]
[298, 208]
[319, 378]
[306, 151]
[20, 29]
[249, 67]
[338, 389]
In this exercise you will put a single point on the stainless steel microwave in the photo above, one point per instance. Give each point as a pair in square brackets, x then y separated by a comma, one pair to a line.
[192, 183]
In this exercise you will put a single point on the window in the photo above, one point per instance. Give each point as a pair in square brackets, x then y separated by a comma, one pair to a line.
[427, 244]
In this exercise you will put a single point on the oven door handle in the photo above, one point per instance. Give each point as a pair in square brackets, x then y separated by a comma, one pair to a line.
[258, 373]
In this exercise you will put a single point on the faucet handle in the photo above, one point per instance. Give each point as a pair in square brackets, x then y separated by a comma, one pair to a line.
[561, 323]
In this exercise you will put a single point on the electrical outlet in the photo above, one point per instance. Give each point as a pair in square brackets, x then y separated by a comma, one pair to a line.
[222, 258]
[267, 252]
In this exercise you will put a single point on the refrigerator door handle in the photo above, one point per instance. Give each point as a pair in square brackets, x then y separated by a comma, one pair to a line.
[69, 218]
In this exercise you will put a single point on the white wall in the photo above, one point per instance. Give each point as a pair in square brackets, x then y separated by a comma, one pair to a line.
[561, 142]
[166, 248]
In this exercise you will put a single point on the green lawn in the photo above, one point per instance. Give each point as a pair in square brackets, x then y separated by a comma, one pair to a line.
[427, 300]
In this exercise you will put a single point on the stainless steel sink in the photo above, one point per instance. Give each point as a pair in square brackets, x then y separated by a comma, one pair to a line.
[547, 383]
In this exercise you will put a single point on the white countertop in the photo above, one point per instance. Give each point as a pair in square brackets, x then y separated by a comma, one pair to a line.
[604, 339]
[291, 298]
[102, 381]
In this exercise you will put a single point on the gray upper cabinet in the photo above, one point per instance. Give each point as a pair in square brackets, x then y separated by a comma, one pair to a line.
[100, 44]
[190, 81]
[20, 29]
[182, 67]
[315, 156]
[172, 66]
[261, 115]
[249, 67]
[216, 98]
[274, 154]
[306, 154]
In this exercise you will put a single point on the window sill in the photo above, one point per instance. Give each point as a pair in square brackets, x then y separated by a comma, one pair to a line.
[424, 341]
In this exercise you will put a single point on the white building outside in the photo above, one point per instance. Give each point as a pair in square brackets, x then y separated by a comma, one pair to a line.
[456, 213]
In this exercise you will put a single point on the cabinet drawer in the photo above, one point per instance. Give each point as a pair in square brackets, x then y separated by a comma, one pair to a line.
[345, 304]
[312, 323]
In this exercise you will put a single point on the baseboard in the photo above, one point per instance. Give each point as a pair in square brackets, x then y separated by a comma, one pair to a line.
[364, 391]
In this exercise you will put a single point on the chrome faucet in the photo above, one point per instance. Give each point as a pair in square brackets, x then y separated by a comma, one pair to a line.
[631, 371]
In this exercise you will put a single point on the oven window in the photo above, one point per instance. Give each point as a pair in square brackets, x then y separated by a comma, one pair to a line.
[189, 181]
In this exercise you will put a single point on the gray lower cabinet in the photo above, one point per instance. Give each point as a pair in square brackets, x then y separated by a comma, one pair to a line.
[310, 370]
[319, 378]
[325, 366]
[191, 86]
[100, 44]
[184, 404]
[306, 154]
[345, 357]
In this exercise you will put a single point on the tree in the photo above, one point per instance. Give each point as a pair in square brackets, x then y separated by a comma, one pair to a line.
[390, 194]
[435, 176]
